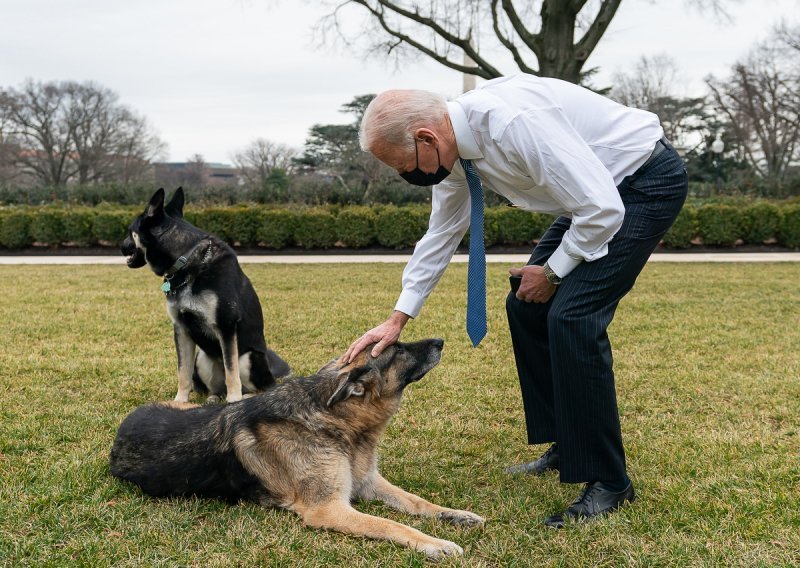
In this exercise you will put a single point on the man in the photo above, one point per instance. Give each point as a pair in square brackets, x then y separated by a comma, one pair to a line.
[616, 185]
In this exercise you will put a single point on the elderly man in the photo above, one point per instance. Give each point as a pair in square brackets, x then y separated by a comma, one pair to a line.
[615, 184]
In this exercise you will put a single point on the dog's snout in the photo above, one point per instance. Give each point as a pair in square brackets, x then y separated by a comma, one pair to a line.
[127, 247]
[438, 343]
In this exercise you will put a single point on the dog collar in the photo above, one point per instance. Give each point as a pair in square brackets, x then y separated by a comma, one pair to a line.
[182, 261]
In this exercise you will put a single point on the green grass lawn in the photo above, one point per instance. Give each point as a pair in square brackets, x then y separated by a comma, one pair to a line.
[708, 374]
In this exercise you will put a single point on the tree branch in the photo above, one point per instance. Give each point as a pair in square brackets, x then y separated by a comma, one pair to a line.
[531, 40]
[589, 41]
[740, 132]
[577, 5]
[508, 44]
[484, 69]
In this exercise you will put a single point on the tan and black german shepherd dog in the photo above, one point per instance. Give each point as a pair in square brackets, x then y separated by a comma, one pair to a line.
[308, 445]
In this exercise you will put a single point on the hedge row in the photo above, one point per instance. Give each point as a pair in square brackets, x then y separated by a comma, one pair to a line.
[248, 226]
[387, 226]
[726, 225]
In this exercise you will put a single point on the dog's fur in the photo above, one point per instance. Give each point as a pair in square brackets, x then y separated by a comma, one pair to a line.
[307, 445]
[211, 302]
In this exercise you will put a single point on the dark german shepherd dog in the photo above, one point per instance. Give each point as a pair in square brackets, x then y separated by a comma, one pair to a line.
[307, 445]
[212, 304]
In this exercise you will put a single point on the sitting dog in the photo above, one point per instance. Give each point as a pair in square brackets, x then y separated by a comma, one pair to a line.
[307, 445]
[210, 300]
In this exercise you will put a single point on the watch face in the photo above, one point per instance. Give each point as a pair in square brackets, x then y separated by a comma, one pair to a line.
[551, 276]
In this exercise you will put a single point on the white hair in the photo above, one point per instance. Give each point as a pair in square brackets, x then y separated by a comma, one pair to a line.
[393, 116]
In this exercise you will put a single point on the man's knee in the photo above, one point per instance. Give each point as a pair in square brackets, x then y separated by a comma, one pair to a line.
[577, 324]
[526, 319]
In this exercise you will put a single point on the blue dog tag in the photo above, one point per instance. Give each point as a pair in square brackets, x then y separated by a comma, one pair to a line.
[165, 287]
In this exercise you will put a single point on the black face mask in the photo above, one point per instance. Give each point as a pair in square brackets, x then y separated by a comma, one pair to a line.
[418, 177]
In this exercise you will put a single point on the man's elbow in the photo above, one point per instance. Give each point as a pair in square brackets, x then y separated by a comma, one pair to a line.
[616, 216]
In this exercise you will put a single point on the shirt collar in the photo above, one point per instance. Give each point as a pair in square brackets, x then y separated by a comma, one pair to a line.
[468, 148]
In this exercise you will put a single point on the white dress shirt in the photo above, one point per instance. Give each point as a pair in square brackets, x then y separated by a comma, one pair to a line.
[546, 145]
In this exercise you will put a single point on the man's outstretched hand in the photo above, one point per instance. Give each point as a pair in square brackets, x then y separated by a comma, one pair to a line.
[383, 335]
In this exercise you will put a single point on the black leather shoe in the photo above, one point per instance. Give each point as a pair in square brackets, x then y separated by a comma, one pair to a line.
[548, 461]
[594, 501]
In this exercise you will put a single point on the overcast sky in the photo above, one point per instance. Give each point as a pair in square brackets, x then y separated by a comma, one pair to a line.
[212, 75]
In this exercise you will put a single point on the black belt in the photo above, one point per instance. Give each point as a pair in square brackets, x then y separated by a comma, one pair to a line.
[660, 146]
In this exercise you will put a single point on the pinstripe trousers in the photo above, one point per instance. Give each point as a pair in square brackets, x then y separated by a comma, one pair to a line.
[561, 347]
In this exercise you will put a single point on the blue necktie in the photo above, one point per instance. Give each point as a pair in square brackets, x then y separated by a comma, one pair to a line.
[476, 271]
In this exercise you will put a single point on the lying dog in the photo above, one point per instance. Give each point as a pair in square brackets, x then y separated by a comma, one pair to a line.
[210, 300]
[307, 445]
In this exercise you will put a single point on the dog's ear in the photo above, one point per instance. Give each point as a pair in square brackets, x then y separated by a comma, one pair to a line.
[175, 206]
[155, 208]
[349, 383]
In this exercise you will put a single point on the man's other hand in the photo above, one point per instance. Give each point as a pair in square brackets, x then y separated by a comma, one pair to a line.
[534, 287]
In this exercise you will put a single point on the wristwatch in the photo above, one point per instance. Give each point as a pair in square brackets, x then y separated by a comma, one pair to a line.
[551, 276]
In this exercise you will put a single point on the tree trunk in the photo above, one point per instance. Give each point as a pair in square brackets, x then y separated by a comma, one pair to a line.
[554, 45]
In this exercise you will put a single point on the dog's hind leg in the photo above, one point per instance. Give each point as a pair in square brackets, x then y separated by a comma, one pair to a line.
[340, 516]
[185, 346]
[209, 376]
[379, 488]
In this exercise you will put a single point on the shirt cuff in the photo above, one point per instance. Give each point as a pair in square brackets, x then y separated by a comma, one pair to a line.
[561, 263]
[410, 303]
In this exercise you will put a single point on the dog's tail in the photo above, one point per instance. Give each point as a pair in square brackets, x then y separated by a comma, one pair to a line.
[265, 367]
[278, 368]
[197, 383]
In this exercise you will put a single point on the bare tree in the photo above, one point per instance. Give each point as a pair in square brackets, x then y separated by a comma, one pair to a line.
[654, 85]
[8, 149]
[194, 174]
[138, 146]
[111, 141]
[260, 158]
[550, 38]
[650, 79]
[788, 36]
[37, 114]
[68, 130]
[94, 113]
[761, 104]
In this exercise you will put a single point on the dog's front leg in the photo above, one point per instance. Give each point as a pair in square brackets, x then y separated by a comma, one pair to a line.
[185, 346]
[340, 516]
[379, 488]
[230, 359]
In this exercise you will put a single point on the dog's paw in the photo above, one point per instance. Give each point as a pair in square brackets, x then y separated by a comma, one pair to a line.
[438, 548]
[233, 397]
[182, 397]
[460, 518]
[212, 399]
